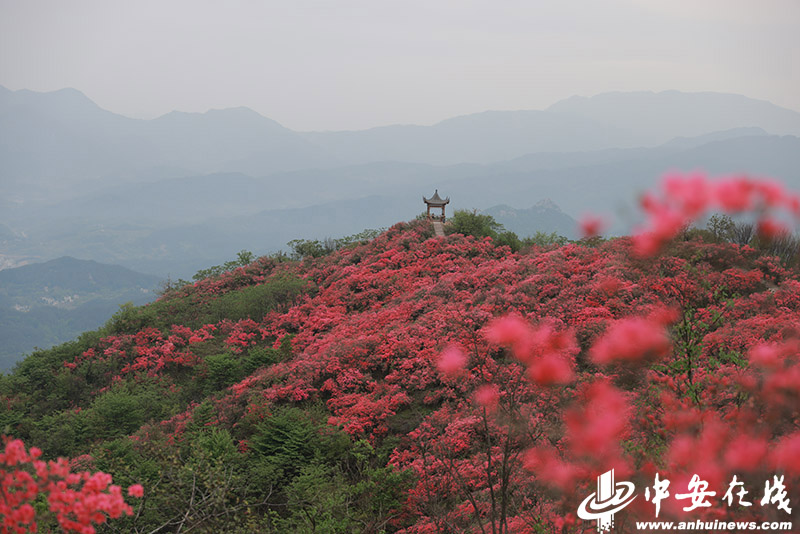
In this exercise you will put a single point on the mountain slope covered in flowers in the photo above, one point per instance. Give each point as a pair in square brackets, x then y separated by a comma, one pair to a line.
[430, 385]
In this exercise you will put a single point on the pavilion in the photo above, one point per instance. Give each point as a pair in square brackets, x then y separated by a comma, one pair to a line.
[436, 202]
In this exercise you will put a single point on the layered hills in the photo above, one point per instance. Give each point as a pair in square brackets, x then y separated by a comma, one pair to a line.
[172, 195]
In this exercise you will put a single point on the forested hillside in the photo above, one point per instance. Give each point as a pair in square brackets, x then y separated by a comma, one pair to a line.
[439, 385]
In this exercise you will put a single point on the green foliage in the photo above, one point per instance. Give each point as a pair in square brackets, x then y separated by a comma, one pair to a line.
[299, 475]
[201, 487]
[283, 443]
[243, 258]
[255, 301]
[121, 411]
[509, 239]
[543, 239]
[721, 227]
[130, 318]
[63, 433]
[222, 370]
[319, 501]
[304, 248]
[47, 385]
[479, 225]
[474, 224]
[692, 233]
[169, 286]
[116, 412]
[258, 357]
[330, 484]
[216, 443]
[251, 302]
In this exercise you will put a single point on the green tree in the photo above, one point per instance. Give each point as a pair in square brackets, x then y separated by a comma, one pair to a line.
[543, 239]
[243, 259]
[722, 227]
[480, 225]
[303, 248]
[475, 224]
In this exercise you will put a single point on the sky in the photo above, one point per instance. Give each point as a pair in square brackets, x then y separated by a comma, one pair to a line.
[355, 64]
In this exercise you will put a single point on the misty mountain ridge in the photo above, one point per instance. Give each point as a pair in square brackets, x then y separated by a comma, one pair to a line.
[484, 137]
[74, 276]
[178, 226]
[63, 140]
[186, 190]
[560, 160]
[660, 116]
[56, 144]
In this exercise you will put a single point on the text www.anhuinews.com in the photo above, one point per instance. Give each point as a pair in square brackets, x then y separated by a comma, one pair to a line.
[713, 525]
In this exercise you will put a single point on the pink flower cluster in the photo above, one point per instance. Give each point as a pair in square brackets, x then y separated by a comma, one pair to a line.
[546, 351]
[684, 198]
[634, 339]
[78, 500]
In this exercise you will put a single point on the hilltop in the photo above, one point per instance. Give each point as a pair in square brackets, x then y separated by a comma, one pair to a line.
[365, 390]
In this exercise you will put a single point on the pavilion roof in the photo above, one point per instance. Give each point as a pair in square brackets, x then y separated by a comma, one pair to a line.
[436, 200]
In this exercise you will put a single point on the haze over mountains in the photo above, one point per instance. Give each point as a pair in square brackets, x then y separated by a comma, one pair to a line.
[187, 190]
[48, 303]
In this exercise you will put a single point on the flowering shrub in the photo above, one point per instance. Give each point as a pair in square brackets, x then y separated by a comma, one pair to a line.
[78, 500]
[686, 198]
[709, 420]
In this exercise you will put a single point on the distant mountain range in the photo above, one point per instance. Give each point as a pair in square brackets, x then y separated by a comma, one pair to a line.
[613, 120]
[63, 141]
[658, 117]
[44, 304]
[187, 190]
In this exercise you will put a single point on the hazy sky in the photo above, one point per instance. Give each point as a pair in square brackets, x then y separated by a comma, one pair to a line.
[347, 64]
